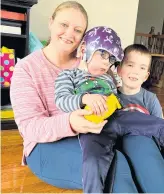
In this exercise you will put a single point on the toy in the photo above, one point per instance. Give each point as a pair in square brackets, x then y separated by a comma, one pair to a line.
[95, 85]
[7, 66]
[112, 103]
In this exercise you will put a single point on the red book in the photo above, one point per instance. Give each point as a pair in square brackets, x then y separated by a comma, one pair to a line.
[12, 15]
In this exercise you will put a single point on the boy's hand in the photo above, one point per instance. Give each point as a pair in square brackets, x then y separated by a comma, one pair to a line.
[97, 103]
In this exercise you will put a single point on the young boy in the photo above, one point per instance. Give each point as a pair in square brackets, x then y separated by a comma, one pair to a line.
[98, 148]
[134, 70]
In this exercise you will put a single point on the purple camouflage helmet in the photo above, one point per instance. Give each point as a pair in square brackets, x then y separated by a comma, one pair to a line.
[104, 38]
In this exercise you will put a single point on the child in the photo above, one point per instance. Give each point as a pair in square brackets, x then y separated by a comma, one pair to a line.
[97, 149]
[134, 70]
[103, 49]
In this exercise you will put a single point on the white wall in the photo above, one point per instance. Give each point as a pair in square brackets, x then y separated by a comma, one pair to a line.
[150, 13]
[118, 14]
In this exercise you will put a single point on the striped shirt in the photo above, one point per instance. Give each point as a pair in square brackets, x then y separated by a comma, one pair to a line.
[32, 98]
[68, 81]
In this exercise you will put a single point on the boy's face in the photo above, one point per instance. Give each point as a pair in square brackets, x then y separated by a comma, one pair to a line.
[98, 65]
[135, 70]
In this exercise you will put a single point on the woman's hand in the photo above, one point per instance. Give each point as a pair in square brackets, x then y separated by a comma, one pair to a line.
[96, 102]
[80, 125]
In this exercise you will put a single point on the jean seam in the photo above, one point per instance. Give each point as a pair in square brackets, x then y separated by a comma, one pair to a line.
[40, 160]
[60, 179]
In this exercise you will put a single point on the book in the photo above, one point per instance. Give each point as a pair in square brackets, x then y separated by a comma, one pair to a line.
[6, 22]
[10, 29]
[12, 15]
[6, 114]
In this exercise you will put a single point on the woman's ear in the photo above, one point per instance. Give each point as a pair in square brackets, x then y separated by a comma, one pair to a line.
[81, 50]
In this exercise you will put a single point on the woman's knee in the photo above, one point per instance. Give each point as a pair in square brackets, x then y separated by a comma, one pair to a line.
[58, 163]
[140, 146]
[123, 180]
[147, 162]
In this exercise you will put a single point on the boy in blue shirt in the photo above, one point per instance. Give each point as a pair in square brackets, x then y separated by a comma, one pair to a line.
[134, 70]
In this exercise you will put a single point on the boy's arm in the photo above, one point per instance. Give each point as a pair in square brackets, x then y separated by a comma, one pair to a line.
[65, 98]
[156, 108]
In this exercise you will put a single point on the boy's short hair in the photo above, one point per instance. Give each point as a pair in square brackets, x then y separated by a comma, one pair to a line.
[138, 48]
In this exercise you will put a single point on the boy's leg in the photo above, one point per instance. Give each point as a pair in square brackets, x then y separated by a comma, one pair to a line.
[98, 153]
[146, 161]
[137, 123]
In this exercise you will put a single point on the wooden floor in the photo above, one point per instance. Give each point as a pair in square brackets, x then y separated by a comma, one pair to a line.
[19, 179]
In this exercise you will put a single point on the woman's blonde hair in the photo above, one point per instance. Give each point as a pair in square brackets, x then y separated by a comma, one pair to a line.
[70, 4]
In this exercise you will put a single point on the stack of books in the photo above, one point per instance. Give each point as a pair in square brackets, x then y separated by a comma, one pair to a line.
[11, 22]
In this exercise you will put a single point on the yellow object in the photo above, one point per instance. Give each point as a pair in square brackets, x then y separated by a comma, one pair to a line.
[6, 84]
[6, 50]
[112, 103]
[6, 114]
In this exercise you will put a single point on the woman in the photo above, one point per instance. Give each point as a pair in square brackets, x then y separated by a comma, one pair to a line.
[40, 123]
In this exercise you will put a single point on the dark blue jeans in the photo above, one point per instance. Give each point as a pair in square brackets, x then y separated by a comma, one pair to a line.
[98, 149]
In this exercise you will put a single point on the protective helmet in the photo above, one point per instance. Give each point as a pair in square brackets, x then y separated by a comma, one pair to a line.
[104, 38]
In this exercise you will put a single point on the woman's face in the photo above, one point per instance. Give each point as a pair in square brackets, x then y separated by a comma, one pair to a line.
[67, 29]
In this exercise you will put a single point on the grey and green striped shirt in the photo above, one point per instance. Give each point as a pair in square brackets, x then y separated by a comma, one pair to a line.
[70, 81]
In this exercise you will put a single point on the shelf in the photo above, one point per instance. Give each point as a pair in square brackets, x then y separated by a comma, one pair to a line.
[7, 120]
[157, 55]
[19, 4]
[18, 42]
[5, 88]
[8, 124]
[13, 35]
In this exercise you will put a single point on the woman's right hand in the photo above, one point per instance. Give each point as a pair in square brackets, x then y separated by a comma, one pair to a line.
[80, 125]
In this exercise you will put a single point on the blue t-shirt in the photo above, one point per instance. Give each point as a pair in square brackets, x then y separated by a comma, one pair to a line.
[144, 101]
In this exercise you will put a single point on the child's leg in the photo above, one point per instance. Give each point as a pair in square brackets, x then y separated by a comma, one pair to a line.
[98, 153]
[147, 163]
[137, 123]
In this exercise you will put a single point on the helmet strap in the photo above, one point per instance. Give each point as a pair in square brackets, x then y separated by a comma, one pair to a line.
[84, 57]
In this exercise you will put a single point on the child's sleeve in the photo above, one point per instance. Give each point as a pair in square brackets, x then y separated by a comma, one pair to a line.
[156, 108]
[65, 97]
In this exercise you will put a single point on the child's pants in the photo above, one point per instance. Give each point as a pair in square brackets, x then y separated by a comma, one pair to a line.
[97, 149]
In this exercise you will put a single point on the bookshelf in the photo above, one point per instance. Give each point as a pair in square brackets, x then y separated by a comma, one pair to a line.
[18, 42]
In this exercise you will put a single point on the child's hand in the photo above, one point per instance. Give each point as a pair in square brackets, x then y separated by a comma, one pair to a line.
[97, 103]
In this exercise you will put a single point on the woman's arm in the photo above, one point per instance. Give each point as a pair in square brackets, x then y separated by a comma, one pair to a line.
[32, 118]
